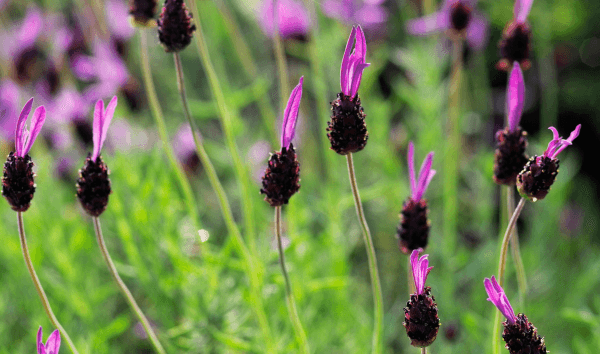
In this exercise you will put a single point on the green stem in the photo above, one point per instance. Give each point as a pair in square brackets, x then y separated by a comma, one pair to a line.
[245, 56]
[514, 245]
[291, 302]
[502, 264]
[132, 303]
[255, 294]
[225, 116]
[423, 350]
[372, 258]
[38, 285]
[157, 113]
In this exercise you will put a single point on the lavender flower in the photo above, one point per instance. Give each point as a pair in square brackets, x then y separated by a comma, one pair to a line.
[175, 28]
[9, 105]
[347, 128]
[369, 13]
[515, 43]
[93, 185]
[458, 18]
[510, 156]
[519, 334]
[535, 180]
[293, 19]
[117, 19]
[413, 231]
[185, 149]
[421, 314]
[282, 176]
[17, 183]
[52, 344]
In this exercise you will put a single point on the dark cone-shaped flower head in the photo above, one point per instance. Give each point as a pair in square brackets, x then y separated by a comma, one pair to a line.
[510, 156]
[460, 16]
[17, 181]
[282, 176]
[515, 43]
[539, 173]
[522, 337]
[347, 128]
[413, 231]
[175, 28]
[142, 12]
[93, 185]
[519, 334]
[421, 314]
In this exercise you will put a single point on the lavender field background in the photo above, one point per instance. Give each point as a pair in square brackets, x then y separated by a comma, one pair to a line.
[195, 291]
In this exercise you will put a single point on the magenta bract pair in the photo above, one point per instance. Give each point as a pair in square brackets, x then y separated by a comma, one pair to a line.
[353, 62]
[52, 344]
[420, 269]
[290, 115]
[418, 187]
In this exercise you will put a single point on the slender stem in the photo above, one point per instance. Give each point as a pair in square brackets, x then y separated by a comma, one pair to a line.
[38, 285]
[226, 118]
[375, 282]
[157, 113]
[280, 55]
[250, 268]
[514, 245]
[291, 302]
[113, 271]
[423, 350]
[502, 263]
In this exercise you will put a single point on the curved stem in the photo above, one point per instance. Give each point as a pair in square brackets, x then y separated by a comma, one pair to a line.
[38, 285]
[250, 268]
[514, 245]
[375, 282]
[113, 271]
[291, 302]
[157, 113]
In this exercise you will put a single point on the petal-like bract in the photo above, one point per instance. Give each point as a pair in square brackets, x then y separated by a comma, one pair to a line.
[558, 144]
[419, 186]
[497, 297]
[515, 97]
[290, 115]
[420, 268]
[353, 62]
[52, 344]
[522, 9]
[102, 120]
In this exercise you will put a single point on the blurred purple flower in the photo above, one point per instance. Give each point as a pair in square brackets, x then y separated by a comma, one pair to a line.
[457, 18]
[105, 67]
[516, 37]
[117, 19]
[185, 148]
[368, 13]
[290, 116]
[52, 344]
[515, 97]
[24, 138]
[353, 63]
[418, 187]
[294, 21]
[9, 106]
[420, 269]
[497, 297]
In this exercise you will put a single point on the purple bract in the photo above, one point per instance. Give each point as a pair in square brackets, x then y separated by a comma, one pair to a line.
[102, 118]
[515, 97]
[24, 139]
[420, 268]
[290, 115]
[52, 344]
[418, 187]
[558, 144]
[353, 62]
[293, 18]
[497, 297]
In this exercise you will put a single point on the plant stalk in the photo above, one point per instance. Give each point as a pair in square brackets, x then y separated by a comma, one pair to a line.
[423, 350]
[132, 303]
[372, 258]
[291, 302]
[255, 294]
[38, 285]
[514, 245]
[157, 113]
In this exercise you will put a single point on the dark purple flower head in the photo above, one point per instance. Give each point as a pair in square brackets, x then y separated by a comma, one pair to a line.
[420, 269]
[558, 144]
[353, 62]
[458, 16]
[369, 13]
[290, 116]
[294, 21]
[175, 27]
[515, 97]
[497, 297]
[102, 118]
[52, 344]
[418, 187]
[24, 138]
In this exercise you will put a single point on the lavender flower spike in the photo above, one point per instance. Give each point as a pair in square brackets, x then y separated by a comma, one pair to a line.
[420, 268]
[498, 298]
[558, 144]
[515, 97]
[290, 115]
[353, 63]
[102, 118]
[52, 344]
[24, 139]
[418, 187]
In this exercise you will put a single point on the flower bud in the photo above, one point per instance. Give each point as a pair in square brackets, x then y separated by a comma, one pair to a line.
[175, 26]
[347, 128]
[17, 183]
[93, 186]
[282, 177]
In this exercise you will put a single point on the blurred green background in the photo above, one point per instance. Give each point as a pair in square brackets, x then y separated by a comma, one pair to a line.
[196, 293]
